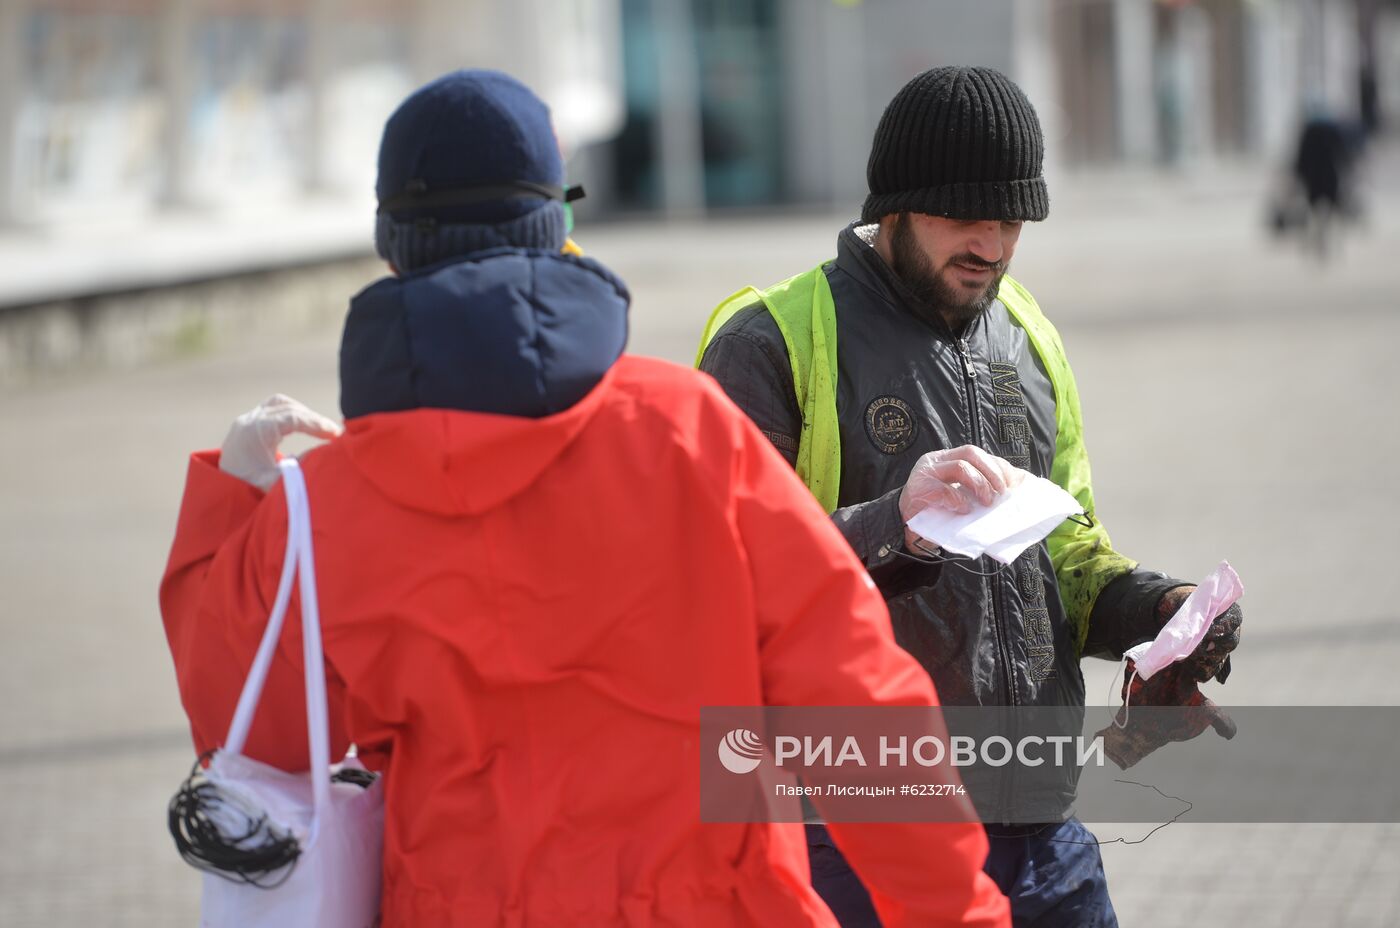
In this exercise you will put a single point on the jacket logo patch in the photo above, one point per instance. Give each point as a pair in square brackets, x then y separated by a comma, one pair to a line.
[1006, 385]
[1012, 422]
[1040, 636]
[890, 424]
[1042, 662]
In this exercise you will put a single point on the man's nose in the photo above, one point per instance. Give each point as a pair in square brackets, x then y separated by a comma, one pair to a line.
[985, 241]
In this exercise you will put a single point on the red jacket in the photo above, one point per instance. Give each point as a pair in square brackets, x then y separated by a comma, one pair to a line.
[522, 619]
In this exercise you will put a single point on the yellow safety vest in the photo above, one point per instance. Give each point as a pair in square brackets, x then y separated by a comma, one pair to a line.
[805, 313]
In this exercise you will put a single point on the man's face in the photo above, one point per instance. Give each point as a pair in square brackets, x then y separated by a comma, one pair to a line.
[953, 266]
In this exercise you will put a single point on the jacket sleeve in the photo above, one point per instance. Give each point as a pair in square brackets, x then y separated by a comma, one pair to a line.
[1125, 613]
[1084, 559]
[750, 362]
[825, 639]
[215, 599]
[875, 531]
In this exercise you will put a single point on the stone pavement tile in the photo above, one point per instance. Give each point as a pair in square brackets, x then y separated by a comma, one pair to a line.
[1273, 875]
[1373, 894]
[86, 843]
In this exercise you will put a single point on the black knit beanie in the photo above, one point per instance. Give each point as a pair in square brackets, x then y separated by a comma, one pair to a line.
[963, 143]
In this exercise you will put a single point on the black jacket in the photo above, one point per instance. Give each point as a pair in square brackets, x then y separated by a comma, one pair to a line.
[907, 385]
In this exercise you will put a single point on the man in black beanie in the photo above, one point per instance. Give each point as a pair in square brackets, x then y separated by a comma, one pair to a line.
[911, 373]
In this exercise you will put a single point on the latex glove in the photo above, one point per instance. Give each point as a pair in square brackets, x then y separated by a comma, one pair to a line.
[250, 449]
[1138, 734]
[1212, 656]
[953, 480]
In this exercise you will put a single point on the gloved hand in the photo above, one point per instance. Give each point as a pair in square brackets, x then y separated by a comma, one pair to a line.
[1137, 734]
[952, 480]
[250, 449]
[1212, 656]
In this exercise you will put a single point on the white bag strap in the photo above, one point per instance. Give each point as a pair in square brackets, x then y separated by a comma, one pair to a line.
[299, 559]
[257, 674]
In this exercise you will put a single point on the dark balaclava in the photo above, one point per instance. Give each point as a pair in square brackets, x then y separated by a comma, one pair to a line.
[468, 162]
[963, 143]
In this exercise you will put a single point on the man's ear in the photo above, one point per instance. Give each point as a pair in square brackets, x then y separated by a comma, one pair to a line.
[393, 270]
[885, 235]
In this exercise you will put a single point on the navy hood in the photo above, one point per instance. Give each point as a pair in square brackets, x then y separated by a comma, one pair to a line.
[506, 331]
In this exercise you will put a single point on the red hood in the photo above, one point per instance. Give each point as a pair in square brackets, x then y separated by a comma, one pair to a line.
[452, 462]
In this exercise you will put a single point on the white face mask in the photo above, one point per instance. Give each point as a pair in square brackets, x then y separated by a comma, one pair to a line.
[1017, 519]
[1184, 631]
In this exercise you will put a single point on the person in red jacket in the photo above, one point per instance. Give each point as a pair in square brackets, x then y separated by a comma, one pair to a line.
[538, 559]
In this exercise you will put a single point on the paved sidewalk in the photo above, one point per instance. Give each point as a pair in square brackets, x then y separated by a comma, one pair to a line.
[1239, 401]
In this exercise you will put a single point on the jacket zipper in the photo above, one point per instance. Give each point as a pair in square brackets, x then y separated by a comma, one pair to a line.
[993, 583]
[974, 417]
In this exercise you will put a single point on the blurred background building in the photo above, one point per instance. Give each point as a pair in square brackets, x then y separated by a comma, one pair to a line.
[150, 142]
[747, 102]
[149, 105]
[138, 106]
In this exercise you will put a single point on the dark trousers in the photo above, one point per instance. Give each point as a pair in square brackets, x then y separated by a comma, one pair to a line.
[1052, 874]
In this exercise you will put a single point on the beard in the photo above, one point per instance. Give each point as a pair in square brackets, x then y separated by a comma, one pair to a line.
[936, 295]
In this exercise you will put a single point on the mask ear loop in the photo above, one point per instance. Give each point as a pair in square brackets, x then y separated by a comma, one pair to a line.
[1127, 694]
[961, 562]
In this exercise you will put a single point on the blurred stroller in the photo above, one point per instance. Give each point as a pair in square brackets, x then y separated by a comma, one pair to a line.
[1320, 192]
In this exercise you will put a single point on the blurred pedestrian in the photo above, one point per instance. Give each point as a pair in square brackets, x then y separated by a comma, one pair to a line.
[1320, 191]
[911, 372]
[538, 559]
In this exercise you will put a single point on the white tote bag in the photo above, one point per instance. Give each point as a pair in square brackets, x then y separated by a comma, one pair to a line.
[284, 850]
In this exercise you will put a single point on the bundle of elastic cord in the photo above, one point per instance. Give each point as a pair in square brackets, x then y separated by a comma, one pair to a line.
[356, 776]
[201, 818]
